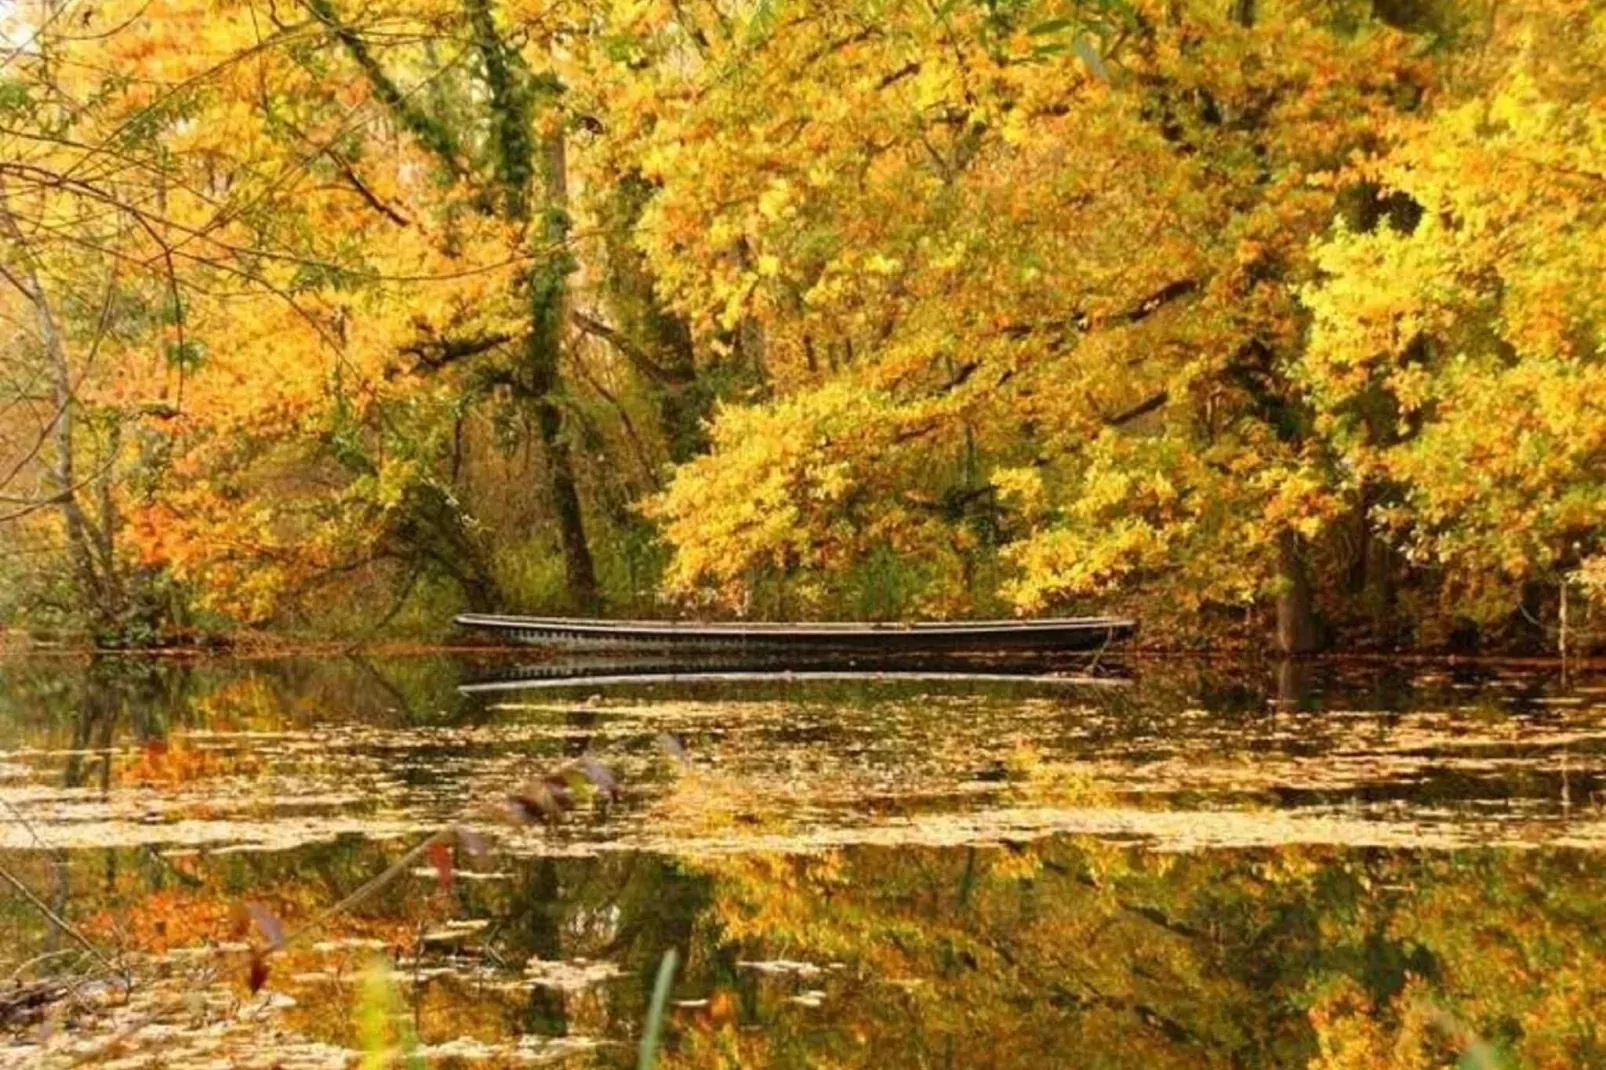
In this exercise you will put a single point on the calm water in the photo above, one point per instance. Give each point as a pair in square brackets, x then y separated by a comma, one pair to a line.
[1193, 866]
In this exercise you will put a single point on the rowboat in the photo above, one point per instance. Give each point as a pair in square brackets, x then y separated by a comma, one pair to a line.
[1046, 635]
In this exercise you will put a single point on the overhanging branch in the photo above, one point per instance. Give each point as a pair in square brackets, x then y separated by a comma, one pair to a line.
[637, 356]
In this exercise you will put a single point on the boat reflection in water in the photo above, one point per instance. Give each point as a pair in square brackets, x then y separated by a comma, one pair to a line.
[1078, 670]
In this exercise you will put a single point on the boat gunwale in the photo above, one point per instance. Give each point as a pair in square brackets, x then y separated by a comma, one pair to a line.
[785, 629]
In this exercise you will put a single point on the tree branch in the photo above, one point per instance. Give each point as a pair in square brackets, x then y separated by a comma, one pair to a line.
[1082, 323]
[433, 133]
[1142, 408]
[436, 353]
[637, 356]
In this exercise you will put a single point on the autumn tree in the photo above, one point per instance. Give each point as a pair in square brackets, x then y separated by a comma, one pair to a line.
[1455, 358]
[1028, 286]
[94, 304]
[363, 246]
[875, 310]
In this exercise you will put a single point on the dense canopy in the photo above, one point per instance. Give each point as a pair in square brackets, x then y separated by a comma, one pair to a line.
[1226, 311]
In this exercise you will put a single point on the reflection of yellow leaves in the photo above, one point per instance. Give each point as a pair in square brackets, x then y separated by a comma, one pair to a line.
[171, 918]
[384, 1028]
[1037, 780]
[175, 762]
[702, 802]
[1352, 1033]
[1023, 864]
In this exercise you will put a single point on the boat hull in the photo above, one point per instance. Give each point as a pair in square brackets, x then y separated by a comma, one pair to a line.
[1063, 634]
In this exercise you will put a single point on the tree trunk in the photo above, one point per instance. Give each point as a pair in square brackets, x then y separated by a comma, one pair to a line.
[1296, 617]
[1371, 574]
[548, 317]
[684, 403]
[89, 552]
[1378, 590]
[62, 469]
[513, 94]
[1525, 626]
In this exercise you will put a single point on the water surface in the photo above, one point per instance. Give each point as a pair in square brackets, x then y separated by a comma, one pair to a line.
[1195, 865]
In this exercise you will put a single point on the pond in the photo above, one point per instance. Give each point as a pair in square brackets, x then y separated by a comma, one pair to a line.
[285, 861]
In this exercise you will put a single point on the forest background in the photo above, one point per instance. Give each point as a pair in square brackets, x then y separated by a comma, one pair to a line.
[1264, 320]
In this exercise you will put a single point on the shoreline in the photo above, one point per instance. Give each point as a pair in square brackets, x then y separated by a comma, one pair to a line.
[268, 647]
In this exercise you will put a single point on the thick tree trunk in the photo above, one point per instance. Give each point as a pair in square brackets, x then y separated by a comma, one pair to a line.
[513, 94]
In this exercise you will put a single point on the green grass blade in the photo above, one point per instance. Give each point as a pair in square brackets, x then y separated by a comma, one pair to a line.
[655, 1011]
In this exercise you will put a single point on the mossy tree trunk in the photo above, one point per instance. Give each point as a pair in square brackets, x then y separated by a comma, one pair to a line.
[521, 160]
[527, 186]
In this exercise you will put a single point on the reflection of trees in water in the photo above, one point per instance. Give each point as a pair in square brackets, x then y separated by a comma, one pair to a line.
[114, 692]
[93, 708]
[89, 702]
[1043, 954]
[625, 909]
[116, 698]
[1067, 952]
